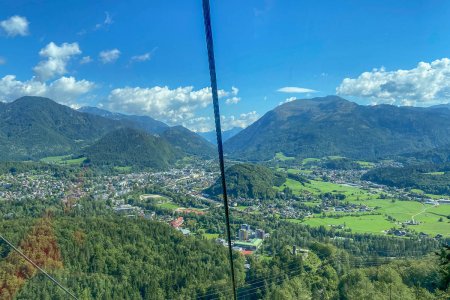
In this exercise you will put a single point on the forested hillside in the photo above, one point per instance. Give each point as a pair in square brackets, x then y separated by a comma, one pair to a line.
[130, 147]
[430, 178]
[249, 181]
[35, 127]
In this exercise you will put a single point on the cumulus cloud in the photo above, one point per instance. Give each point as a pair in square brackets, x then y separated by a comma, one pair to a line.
[109, 56]
[65, 90]
[295, 90]
[56, 59]
[16, 25]
[426, 84]
[171, 105]
[85, 60]
[290, 99]
[205, 124]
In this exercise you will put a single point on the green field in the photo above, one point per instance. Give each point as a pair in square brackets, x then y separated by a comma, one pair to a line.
[310, 160]
[210, 236]
[317, 187]
[123, 169]
[168, 205]
[63, 160]
[360, 224]
[402, 211]
[282, 157]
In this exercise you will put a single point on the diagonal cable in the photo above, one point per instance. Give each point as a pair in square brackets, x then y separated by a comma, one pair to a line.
[39, 268]
[212, 73]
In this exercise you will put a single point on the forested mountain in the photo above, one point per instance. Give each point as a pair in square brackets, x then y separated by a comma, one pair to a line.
[188, 142]
[334, 126]
[248, 181]
[35, 127]
[178, 136]
[145, 123]
[131, 147]
[211, 137]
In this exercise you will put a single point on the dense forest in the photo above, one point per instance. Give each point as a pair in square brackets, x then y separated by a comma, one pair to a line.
[110, 257]
[249, 181]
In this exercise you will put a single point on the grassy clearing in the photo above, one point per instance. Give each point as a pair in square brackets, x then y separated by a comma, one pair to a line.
[358, 224]
[63, 160]
[282, 157]
[210, 236]
[123, 169]
[310, 160]
[435, 173]
[365, 164]
[168, 205]
[317, 187]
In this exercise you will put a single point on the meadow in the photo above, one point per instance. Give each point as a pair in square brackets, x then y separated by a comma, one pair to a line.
[63, 160]
[432, 219]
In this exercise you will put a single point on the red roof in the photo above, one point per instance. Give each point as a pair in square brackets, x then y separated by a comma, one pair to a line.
[177, 222]
[246, 252]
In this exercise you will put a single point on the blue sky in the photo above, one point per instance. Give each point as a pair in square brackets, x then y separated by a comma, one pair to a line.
[149, 57]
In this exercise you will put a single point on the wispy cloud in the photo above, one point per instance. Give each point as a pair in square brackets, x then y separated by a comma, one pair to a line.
[109, 56]
[295, 90]
[106, 23]
[143, 57]
[85, 60]
[2, 61]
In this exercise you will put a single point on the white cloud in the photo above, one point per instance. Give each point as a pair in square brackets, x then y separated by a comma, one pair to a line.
[233, 100]
[234, 90]
[290, 99]
[295, 90]
[85, 60]
[106, 23]
[205, 124]
[170, 105]
[141, 58]
[57, 59]
[109, 56]
[2, 61]
[426, 84]
[16, 25]
[65, 90]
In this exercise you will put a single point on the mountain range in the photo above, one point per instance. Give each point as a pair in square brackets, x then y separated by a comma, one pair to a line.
[34, 127]
[334, 126]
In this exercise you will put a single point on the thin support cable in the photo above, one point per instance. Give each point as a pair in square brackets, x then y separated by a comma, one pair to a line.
[212, 73]
[39, 268]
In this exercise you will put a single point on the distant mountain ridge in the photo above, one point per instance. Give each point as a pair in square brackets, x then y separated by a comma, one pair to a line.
[334, 126]
[211, 137]
[180, 137]
[146, 123]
